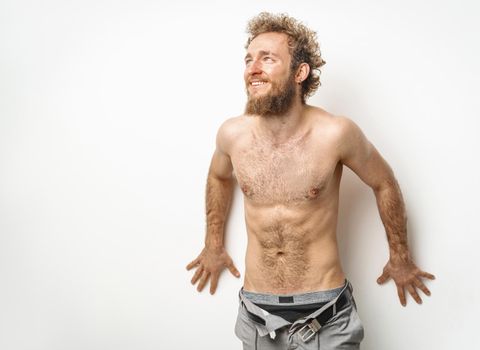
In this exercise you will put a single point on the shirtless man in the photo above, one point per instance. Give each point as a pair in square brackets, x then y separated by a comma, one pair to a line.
[287, 158]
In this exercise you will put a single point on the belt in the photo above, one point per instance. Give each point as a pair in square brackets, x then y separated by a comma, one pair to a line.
[314, 324]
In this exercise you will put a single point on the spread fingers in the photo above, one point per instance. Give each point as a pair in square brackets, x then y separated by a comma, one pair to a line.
[414, 294]
[401, 295]
[197, 275]
[419, 284]
[213, 283]
[427, 275]
[203, 280]
[193, 264]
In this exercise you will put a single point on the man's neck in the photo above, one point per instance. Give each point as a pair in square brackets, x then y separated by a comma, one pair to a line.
[282, 128]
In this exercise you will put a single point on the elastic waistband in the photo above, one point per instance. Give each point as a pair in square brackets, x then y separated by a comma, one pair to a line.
[295, 299]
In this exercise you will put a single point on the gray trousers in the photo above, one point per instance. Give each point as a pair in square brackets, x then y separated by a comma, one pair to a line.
[344, 331]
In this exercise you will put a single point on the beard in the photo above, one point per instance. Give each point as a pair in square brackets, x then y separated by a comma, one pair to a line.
[277, 102]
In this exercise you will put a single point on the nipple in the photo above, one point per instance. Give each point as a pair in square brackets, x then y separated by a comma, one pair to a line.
[247, 190]
[313, 193]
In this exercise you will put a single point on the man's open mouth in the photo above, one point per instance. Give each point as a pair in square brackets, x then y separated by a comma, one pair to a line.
[258, 83]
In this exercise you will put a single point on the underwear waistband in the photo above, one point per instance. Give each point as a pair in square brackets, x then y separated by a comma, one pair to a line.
[293, 299]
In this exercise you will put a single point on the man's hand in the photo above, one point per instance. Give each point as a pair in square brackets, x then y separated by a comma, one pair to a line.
[406, 275]
[210, 263]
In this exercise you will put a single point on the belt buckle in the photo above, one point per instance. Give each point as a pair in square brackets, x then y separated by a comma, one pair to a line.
[308, 333]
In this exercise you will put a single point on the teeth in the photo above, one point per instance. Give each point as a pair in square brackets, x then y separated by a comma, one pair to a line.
[256, 83]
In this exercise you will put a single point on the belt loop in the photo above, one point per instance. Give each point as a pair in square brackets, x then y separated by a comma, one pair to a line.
[352, 300]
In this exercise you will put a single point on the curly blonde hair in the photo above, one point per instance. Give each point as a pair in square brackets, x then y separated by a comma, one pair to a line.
[302, 42]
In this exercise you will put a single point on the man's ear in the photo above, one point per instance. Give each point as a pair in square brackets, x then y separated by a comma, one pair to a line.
[302, 72]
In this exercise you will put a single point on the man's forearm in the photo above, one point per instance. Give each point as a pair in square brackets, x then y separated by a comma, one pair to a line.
[400, 267]
[218, 197]
[392, 212]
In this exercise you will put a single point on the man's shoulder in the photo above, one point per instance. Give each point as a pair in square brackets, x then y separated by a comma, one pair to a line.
[330, 125]
[231, 130]
[233, 124]
[233, 127]
[341, 134]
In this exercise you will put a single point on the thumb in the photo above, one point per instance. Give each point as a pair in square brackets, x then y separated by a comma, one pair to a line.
[233, 270]
[383, 278]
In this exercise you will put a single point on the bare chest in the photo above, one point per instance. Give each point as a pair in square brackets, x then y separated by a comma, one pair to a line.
[289, 173]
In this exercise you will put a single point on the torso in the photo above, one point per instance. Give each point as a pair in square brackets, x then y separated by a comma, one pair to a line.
[291, 206]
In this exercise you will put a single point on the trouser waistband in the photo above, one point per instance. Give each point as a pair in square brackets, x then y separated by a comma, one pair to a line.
[267, 323]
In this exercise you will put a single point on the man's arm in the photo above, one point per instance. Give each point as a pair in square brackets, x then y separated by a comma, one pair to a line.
[360, 155]
[220, 184]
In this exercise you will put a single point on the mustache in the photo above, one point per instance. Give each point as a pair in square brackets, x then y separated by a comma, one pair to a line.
[257, 77]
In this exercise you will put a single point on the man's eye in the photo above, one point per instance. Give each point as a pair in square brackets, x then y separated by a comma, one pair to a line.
[268, 59]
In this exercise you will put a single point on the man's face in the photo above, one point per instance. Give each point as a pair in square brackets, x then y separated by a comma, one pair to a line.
[270, 84]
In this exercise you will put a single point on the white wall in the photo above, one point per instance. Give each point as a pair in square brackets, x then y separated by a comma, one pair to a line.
[108, 113]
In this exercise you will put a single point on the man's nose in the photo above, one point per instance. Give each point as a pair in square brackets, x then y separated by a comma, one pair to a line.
[254, 67]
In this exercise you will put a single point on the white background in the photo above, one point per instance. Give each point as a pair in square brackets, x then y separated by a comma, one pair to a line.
[108, 116]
